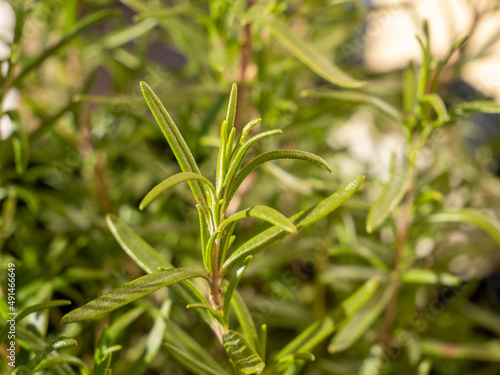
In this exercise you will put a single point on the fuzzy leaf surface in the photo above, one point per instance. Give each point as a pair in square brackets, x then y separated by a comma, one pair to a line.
[241, 353]
[129, 292]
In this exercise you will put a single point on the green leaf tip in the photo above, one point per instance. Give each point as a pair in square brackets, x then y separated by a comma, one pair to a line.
[171, 182]
[241, 353]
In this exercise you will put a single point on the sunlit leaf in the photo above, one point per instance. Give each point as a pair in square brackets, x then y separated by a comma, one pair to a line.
[468, 216]
[355, 326]
[265, 213]
[228, 295]
[358, 98]
[240, 155]
[175, 140]
[56, 344]
[310, 56]
[392, 193]
[423, 276]
[439, 107]
[241, 353]
[129, 292]
[479, 351]
[62, 360]
[244, 317]
[273, 155]
[128, 34]
[172, 181]
[484, 106]
[322, 328]
[136, 248]
[301, 220]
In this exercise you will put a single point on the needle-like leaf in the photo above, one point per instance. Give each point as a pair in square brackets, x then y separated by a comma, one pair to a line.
[310, 56]
[232, 287]
[264, 213]
[176, 141]
[273, 155]
[130, 292]
[301, 220]
[172, 181]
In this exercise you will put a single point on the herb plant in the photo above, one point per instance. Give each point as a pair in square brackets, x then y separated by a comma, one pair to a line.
[247, 349]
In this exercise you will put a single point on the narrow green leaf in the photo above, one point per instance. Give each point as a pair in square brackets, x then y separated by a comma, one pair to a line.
[244, 317]
[189, 362]
[130, 292]
[231, 288]
[479, 351]
[423, 276]
[354, 327]
[176, 141]
[424, 68]
[301, 220]
[172, 181]
[246, 130]
[20, 143]
[321, 329]
[439, 107]
[468, 216]
[127, 34]
[265, 213]
[136, 248]
[231, 108]
[81, 26]
[209, 251]
[225, 243]
[182, 340]
[358, 98]
[203, 228]
[311, 57]
[217, 315]
[221, 162]
[41, 306]
[241, 152]
[484, 106]
[56, 344]
[149, 260]
[392, 193]
[273, 155]
[458, 44]
[102, 367]
[241, 353]
[263, 341]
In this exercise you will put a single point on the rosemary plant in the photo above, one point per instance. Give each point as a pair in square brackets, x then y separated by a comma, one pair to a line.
[246, 352]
